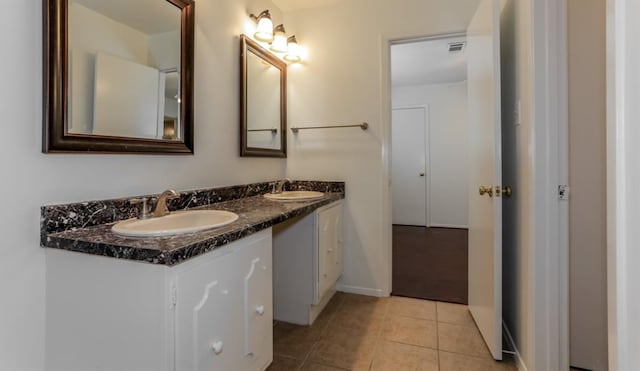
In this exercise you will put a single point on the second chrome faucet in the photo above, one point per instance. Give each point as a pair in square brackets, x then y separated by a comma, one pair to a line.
[159, 208]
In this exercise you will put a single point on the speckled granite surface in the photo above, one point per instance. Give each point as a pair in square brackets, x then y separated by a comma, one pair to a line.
[86, 227]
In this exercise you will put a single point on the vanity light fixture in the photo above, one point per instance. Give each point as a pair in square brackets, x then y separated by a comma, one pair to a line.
[293, 50]
[264, 31]
[279, 43]
[276, 38]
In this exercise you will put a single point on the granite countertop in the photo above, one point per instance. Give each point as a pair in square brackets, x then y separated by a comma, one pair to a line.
[255, 214]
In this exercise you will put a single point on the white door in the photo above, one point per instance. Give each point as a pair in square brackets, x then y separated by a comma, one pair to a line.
[485, 169]
[125, 98]
[409, 166]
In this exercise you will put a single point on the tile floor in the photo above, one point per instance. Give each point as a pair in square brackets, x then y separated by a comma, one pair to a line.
[384, 334]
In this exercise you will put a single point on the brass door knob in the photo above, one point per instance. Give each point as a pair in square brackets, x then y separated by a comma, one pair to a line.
[503, 191]
[486, 190]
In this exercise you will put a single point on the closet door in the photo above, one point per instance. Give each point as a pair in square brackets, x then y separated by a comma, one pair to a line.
[409, 166]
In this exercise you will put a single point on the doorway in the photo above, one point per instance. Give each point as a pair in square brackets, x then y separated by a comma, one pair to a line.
[429, 169]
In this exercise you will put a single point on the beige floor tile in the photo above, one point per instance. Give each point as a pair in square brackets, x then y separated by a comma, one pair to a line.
[294, 341]
[351, 349]
[281, 363]
[366, 306]
[454, 313]
[310, 366]
[411, 331]
[416, 308]
[461, 362]
[327, 314]
[355, 321]
[462, 339]
[401, 357]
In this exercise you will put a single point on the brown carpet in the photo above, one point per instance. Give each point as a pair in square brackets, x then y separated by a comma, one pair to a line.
[430, 263]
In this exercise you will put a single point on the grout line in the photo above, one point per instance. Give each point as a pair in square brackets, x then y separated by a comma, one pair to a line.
[380, 338]
[489, 358]
[409, 344]
[322, 332]
[306, 358]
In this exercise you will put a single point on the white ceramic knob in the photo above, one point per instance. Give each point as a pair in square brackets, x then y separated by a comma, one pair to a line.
[260, 310]
[217, 347]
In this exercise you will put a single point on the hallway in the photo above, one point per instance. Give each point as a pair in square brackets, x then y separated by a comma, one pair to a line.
[430, 263]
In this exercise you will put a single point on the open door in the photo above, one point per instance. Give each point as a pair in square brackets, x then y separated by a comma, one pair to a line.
[485, 174]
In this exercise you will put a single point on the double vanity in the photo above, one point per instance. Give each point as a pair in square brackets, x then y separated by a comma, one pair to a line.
[157, 294]
[194, 280]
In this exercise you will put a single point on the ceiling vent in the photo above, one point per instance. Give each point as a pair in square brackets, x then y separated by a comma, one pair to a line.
[456, 47]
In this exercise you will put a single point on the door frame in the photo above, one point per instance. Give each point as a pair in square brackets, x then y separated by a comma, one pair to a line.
[427, 155]
[622, 180]
[386, 41]
[548, 320]
[549, 259]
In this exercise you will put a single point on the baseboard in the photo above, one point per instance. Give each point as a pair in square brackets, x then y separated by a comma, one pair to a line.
[360, 290]
[512, 344]
[453, 226]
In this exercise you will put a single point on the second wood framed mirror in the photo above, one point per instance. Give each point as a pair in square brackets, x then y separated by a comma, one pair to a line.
[263, 102]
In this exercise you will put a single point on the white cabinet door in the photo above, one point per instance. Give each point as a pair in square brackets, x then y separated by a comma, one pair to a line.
[206, 338]
[329, 248]
[337, 258]
[224, 312]
[257, 305]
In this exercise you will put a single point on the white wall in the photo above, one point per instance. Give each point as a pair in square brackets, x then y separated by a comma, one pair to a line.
[448, 177]
[587, 178]
[342, 82]
[31, 179]
[164, 50]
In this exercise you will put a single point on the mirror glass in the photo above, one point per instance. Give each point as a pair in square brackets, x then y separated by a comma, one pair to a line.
[124, 69]
[118, 76]
[264, 102]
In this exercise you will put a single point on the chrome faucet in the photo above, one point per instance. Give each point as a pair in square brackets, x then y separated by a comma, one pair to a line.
[278, 185]
[160, 208]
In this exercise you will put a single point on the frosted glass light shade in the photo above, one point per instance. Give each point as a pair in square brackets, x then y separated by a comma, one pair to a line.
[264, 31]
[279, 43]
[293, 50]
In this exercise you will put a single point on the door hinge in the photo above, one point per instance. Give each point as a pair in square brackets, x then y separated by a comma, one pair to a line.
[563, 192]
[174, 295]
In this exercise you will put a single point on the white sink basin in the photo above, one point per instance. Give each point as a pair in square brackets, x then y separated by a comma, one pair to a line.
[294, 195]
[177, 222]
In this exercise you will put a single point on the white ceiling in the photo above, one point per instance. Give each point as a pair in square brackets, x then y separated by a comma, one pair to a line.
[147, 16]
[289, 5]
[427, 62]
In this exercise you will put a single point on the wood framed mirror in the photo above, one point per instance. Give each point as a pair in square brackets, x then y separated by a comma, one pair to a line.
[118, 76]
[263, 102]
